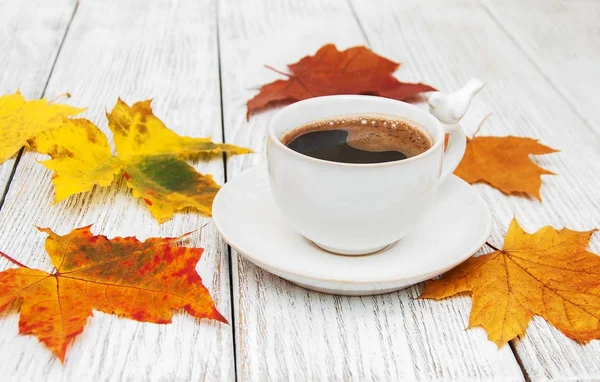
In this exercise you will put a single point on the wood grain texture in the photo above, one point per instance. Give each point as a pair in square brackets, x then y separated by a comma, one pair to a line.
[284, 332]
[446, 53]
[137, 50]
[31, 32]
[562, 39]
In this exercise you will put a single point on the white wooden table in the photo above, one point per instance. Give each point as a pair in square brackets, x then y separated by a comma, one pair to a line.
[201, 60]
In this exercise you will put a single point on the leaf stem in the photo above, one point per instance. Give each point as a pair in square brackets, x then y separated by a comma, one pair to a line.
[481, 124]
[278, 71]
[2, 254]
[492, 246]
[67, 94]
[202, 229]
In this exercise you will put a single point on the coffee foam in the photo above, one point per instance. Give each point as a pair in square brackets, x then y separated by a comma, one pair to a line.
[372, 132]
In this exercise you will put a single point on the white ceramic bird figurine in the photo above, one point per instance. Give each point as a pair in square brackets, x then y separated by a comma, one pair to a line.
[450, 108]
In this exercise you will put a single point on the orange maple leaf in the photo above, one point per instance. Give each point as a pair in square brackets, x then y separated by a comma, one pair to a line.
[145, 281]
[549, 273]
[355, 70]
[503, 163]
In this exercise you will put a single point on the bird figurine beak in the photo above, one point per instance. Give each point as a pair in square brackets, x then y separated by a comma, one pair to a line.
[450, 108]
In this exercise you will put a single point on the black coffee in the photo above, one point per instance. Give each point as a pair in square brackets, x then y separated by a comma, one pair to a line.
[359, 139]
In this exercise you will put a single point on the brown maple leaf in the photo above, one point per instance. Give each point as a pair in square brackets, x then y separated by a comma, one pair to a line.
[504, 163]
[355, 70]
[549, 273]
[145, 281]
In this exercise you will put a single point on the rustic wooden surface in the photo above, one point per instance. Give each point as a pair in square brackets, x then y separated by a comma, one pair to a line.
[381, 337]
[562, 41]
[201, 60]
[136, 50]
[523, 103]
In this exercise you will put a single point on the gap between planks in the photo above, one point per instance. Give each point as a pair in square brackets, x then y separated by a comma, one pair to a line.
[225, 179]
[42, 94]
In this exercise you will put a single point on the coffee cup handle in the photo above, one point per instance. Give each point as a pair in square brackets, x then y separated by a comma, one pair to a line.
[457, 144]
[449, 109]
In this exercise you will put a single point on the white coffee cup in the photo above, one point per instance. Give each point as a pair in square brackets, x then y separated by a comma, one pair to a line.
[355, 209]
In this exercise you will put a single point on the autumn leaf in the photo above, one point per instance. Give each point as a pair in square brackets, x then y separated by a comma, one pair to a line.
[549, 273]
[504, 163]
[81, 157]
[150, 156]
[355, 70]
[154, 161]
[144, 281]
[21, 120]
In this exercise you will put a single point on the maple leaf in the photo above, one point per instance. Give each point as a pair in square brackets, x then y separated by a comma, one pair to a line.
[549, 273]
[355, 70]
[21, 120]
[145, 281]
[154, 164]
[81, 157]
[150, 156]
[503, 163]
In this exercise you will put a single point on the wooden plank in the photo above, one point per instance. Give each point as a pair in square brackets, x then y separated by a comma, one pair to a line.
[136, 50]
[30, 36]
[562, 39]
[446, 43]
[284, 332]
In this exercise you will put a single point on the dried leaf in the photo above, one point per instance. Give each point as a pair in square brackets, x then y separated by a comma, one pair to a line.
[154, 165]
[144, 281]
[151, 157]
[549, 273]
[503, 163]
[355, 70]
[138, 132]
[21, 120]
[81, 157]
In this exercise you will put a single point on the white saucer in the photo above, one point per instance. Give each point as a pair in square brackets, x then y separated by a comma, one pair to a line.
[457, 225]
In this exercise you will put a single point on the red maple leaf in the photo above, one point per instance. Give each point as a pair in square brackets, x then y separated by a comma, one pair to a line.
[144, 281]
[355, 70]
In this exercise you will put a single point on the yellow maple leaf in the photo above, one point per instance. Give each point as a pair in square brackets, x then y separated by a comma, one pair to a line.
[137, 131]
[549, 273]
[21, 120]
[150, 156]
[81, 157]
[503, 163]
